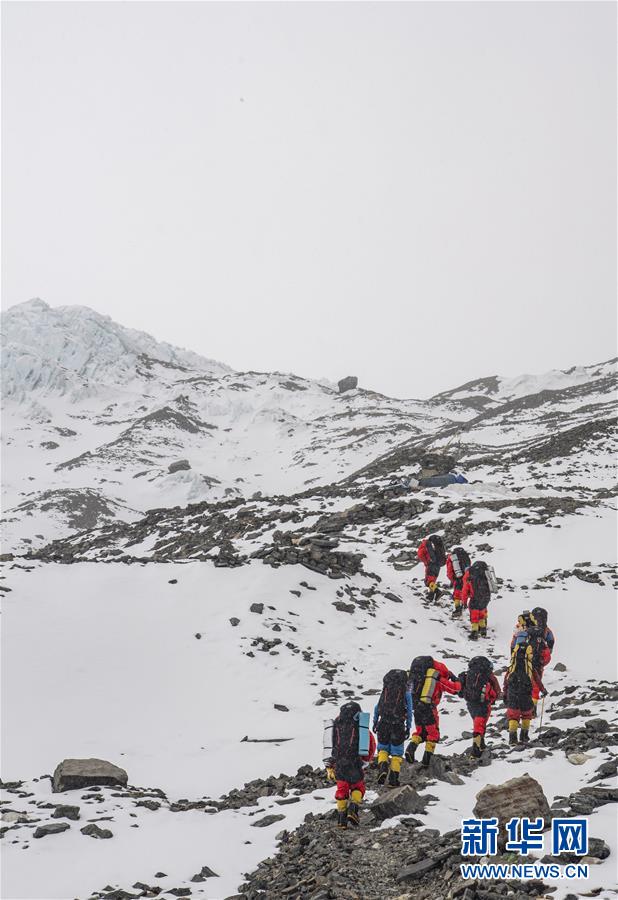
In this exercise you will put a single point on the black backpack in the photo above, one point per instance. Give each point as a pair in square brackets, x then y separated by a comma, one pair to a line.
[479, 581]
[345, 732]
[463, 558]
[477, 676]
[536, 638]
[392, 702]
[521, 664]
[418, 671]
[437, 545]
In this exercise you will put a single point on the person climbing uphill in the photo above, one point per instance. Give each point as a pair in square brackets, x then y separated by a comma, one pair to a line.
[457, 562]
[345, 765]
[539, 618]
[539, 635]
[432, 554]
[479, 688]
[478, 583]
[520, 680]
[428, 679]
[392, 720]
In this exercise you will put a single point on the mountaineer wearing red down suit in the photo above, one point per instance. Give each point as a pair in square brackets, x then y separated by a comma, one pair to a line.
[432, 554]
[457, 562]
[479, 688]
[428, 679]
[345, 765]
[475, 594]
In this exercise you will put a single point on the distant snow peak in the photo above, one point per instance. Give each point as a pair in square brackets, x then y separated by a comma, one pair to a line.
[76, 351]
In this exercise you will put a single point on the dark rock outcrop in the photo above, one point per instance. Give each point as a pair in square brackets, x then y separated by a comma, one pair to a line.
[349, 383]
[72, 774]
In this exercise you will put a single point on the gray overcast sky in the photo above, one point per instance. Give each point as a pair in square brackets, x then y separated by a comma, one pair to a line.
[415, 193]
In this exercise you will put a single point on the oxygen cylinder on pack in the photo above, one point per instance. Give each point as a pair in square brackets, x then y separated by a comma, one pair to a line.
[458, 571]
[327, 741]
[492, 581]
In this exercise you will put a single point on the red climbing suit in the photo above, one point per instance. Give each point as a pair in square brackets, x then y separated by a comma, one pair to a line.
[430, 731]
[432, 568]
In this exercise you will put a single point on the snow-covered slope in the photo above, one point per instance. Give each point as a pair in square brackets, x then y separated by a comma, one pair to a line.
[202, 646]
[93, 406]
[90, 405]
[498, 390]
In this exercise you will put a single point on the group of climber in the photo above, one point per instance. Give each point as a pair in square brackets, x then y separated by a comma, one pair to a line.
[472, 583]
[407, 698]
[413, 697]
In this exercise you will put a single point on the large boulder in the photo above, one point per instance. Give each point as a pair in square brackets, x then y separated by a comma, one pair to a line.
[181, 465]
[72, 774]
[522, 797]
[400, 801]
[347, 384]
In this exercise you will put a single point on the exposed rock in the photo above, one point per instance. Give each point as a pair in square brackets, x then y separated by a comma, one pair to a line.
[267, 820]
[181, 465]
[598, 725]
[522, 797]
[72, 774]
[257, 608]
[204, 873]
[66, 812]
[412, 873]
[51, 828]
[94, 831]
[398, 802]
[578, 759]
[598, 849]
[349, 383]
[585, 801]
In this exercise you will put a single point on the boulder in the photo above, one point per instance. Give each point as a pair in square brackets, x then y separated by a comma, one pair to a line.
[257, 608]
[400, 801]
[521, 797]
[204, 873]
[578, 759]
[181, 465]
[347, 384]
[598, 849]
[417, 870]
[94, 831]
[597, 725]
[66, 812]
[266, 821]
[72, 774]
[52, 828]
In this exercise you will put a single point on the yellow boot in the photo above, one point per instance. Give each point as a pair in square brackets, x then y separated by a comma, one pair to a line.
[342, 813]
[393, 775]
[356, 798]
[382, 766]
[430, 747]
